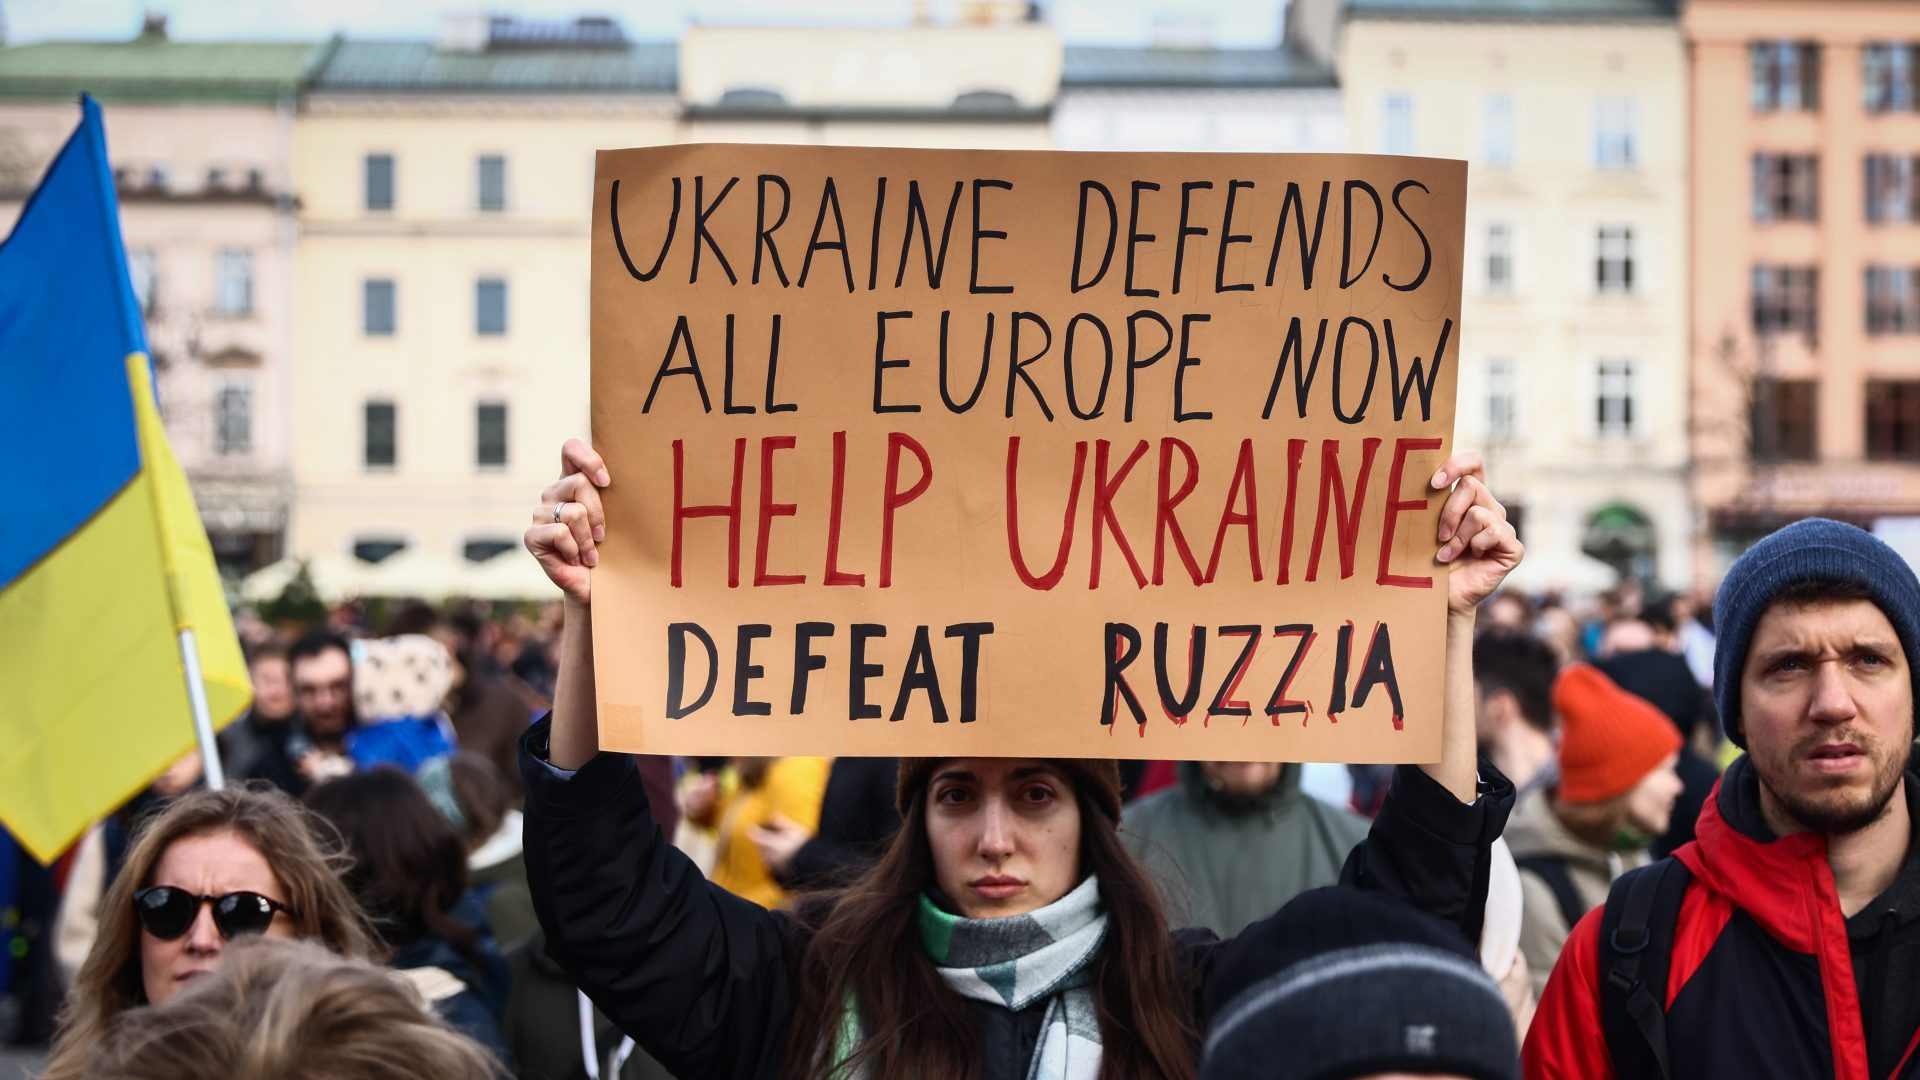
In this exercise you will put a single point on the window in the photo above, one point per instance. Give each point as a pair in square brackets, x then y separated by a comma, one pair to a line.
[1499, 256]
[1614, 399]
[1893, 299]
[1503, 405]
[377, 310]
[1786, 299]
[1893, 188]
[379, 181]
[1397, 135]
[143, 267]
[1890, 72]
[1615, 135]
[493, 182]
[380, 435]
[1783, 419]
[490, 548]
[1613, 266]
[1786, 75]
[490, 435]
[233, 419]
[490, 307]
[1786, 187]
[233, 282]
[374, 550]
[1893, 419]
[1497, 132]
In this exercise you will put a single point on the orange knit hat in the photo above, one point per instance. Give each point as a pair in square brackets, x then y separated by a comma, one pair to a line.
[1609, 738]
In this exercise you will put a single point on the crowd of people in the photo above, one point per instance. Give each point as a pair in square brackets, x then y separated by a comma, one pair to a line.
[446, 877]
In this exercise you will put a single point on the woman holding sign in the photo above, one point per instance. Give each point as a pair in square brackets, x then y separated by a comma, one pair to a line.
[1006, 932]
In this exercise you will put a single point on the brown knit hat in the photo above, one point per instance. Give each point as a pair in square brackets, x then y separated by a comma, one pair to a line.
[1609, 738]
[1099, 778]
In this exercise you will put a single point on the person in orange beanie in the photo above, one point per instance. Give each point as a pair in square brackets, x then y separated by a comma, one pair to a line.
[1615, 792]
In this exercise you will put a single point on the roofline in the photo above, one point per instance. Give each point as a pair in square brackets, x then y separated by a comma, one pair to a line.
[866, 114]
[1422, 14]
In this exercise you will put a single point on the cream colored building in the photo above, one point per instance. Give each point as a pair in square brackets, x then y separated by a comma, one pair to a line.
[1806, 288]
[201, 137]
[1573, 356]
[442, 321]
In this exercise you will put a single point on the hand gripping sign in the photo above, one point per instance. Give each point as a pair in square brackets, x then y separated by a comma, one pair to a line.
[1022, 453]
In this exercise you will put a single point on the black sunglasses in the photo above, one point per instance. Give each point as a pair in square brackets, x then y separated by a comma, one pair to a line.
[167, 912]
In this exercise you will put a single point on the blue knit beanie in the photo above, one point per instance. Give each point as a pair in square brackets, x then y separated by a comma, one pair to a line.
[1804, 551]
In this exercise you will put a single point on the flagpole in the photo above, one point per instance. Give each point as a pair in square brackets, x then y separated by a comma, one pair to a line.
[202, 718]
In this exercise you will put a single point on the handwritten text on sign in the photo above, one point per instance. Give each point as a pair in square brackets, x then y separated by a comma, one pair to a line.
[1028, 454]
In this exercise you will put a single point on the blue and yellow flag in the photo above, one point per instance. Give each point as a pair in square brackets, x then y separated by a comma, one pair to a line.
[103, 560]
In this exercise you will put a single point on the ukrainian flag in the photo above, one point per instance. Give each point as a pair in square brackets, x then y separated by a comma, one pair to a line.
[103, 560]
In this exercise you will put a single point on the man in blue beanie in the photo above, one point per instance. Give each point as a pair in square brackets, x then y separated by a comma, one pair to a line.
[1783, 940]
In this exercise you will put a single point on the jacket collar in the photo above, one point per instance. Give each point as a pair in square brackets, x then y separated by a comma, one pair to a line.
[1771, 878]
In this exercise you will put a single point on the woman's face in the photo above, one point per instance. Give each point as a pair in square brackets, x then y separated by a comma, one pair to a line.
[1005, 834]
[1650, 803]
[212, 864]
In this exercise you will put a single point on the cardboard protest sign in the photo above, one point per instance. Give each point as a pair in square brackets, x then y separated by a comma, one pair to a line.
[1023, 453]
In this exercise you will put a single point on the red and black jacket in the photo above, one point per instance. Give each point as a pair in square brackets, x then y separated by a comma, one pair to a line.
[1764, 978]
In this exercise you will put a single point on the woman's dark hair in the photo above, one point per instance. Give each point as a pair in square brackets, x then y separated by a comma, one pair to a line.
[865, 949]
[483, 794]
[409, 866]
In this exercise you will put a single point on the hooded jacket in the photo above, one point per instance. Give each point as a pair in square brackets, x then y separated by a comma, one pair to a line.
[1537, 833]
[1766, 978]
[706, 982]
[1226, 863]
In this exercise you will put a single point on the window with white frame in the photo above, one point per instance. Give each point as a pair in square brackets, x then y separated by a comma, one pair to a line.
[490, 307]
[1499, 256]
[1613, 262]
[233, 282]
[1496, 131]
[143, 267]
[233, 418]
[1616, 139]
[490, 435]
[1396, 134]
[379, 181]
[1615, 398]
[1503, 399]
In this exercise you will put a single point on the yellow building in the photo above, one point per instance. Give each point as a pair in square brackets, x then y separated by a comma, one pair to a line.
[1573, 356]
[441, 352]
[1806, 282]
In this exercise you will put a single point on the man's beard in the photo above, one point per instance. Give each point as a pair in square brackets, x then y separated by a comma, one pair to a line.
[1837, 811]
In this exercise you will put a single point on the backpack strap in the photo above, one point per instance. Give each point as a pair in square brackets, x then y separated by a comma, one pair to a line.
[1635, 954]
[1552, 870]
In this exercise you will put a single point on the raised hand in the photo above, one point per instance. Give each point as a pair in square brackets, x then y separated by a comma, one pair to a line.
[1476, 539]
[568, 524]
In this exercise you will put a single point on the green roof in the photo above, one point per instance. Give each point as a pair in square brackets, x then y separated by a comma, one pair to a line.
[1114, 67]
[158, 70]
[419, 67]
[1517, 10]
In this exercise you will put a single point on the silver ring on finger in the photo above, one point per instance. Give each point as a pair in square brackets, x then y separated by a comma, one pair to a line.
[558, 509]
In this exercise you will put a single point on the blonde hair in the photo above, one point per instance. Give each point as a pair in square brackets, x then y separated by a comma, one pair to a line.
[307, 858]
[289, 1010]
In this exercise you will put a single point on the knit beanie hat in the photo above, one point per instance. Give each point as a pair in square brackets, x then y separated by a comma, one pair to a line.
[1098, 778]
[1805, 551]
[1347, 983]
[1609, 738]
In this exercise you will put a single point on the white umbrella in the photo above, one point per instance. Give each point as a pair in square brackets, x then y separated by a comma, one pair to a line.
[334, 577]
[415, 572]
[511, 575]
[1562, 571]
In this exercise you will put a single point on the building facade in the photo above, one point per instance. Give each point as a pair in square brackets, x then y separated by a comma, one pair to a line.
[1806, 274]
[201, 137]
[1573, 357]
[446, 194]
[1171, 97]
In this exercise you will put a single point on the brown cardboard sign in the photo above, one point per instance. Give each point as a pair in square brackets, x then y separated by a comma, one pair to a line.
[1034, 454]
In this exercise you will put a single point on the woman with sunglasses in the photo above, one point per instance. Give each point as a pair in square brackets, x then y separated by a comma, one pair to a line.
[211, 867]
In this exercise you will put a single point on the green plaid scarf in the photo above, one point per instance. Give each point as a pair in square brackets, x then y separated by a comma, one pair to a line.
[1044, 955]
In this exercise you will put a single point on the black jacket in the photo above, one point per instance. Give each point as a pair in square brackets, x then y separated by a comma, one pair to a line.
[706, 981]
[858, 815]
[1766, 977]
